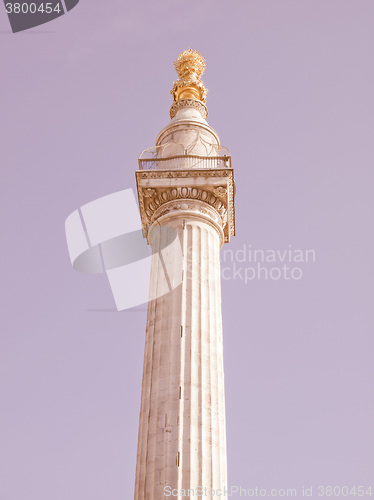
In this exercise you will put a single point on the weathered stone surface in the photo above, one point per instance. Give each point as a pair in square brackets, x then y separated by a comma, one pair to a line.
[182, 441]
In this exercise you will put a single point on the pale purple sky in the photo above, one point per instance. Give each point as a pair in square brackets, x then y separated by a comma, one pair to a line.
[291, 95]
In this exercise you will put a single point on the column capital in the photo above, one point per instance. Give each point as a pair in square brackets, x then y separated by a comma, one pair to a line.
[161, 192]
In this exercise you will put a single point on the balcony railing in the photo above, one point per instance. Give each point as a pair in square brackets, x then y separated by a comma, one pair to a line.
[165, 158]
[185, 162]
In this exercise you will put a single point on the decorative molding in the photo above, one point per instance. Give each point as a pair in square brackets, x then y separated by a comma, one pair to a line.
[202, 172]
[212, 187]
[149, 193]
[189, 103]
[185, 193]
[187, 209]
[220, 191]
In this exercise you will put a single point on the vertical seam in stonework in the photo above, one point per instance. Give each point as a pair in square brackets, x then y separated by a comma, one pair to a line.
[172, 324]
[158, 353]
[218, 320]
[169, 361]
[170, 440]
[155, 301]
[222, 421]
[207, 336]
[187, 381]
[196, 298]
[220, 382]
[142, 421]
[161, 434]
[188, 360]
[215, 415]
[141, 467]
[183, 233]
[181, 409]
[200, 381]
[214, 256]
[204, 367]
[151, 351]
[211, 336]
[208, 397]
[191, 348]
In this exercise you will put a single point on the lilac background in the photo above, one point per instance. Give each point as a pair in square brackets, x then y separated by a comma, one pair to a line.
[291, 95]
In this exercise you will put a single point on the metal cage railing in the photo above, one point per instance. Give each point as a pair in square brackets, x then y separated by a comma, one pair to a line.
[185, 162]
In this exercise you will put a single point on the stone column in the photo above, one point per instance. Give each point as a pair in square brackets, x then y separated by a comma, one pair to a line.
[186, 190]
[182, 440]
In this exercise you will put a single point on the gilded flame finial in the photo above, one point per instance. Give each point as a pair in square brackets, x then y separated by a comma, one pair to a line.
[190, 65]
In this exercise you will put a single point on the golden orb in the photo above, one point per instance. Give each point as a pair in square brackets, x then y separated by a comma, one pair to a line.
[190, 64]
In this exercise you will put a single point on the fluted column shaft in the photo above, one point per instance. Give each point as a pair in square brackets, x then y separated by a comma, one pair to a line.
[182, 432]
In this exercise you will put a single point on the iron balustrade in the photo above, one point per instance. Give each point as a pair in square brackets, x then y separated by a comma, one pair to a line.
[185, 162]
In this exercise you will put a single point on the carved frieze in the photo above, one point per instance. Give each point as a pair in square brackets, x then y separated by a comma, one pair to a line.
[160, 192]
[161, 196]
[189, 103]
